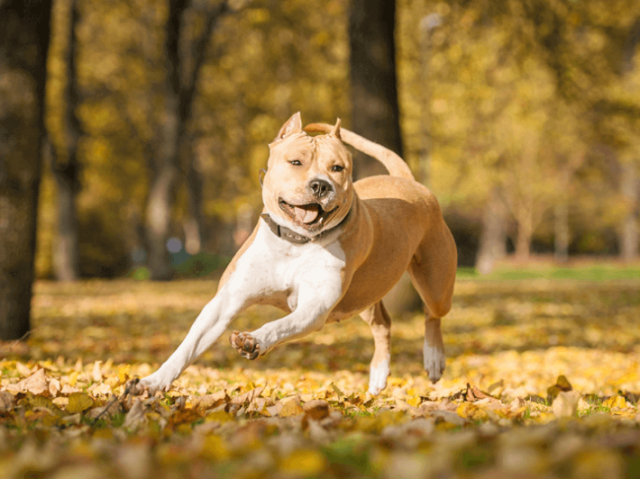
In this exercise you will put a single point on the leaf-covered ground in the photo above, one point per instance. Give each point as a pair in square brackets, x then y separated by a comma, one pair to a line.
[542, 380]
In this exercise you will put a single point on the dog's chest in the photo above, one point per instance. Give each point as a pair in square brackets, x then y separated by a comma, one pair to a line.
[273, 266]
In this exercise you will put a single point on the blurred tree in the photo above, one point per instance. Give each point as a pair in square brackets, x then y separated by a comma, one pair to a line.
[24, 42]
[630, 180]
[65, 164]
[493, 236]
[183, 70]
[374, 95]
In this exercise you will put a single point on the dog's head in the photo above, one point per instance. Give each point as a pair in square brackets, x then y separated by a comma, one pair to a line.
[308, 185]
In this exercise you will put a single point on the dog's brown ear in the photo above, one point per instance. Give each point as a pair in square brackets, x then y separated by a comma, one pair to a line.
[336, 130]
[291, 126]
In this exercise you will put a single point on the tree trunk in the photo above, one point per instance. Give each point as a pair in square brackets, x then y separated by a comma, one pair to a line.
[167, 160]
[561, 236]
[66, 261]
[194, 227]
[523, 239]
[493, 238]
[24, 43]
[180, 92]
[427, 25]
[630, 234]
[67, 172]
[629, 183]
[374, 94]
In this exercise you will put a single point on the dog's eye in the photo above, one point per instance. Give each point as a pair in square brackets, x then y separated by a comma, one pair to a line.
[296, 163]
[337, 168]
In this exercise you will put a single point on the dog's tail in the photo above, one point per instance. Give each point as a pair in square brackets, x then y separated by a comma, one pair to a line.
[392, 162]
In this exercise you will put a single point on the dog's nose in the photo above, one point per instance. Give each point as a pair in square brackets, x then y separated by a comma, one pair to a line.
[320, 188]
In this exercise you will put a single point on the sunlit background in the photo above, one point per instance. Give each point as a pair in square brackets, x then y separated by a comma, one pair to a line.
[522, 117]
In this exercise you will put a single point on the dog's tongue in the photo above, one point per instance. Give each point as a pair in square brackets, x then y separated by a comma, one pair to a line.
[307, 213]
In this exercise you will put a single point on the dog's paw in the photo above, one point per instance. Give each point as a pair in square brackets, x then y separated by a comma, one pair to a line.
[245, 344]
[152, 383]
[434, 362]
[378, 376]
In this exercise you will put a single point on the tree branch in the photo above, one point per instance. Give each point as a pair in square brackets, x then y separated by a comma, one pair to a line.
[188, 89]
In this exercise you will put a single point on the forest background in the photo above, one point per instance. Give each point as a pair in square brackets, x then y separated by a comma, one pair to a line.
[521, 116]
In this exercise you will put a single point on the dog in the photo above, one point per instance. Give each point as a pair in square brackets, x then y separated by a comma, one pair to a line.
[327, 249]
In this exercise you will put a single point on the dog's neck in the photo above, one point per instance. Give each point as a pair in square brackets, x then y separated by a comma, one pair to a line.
[293, 237]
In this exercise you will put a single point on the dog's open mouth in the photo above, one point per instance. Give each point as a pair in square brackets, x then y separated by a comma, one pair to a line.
[309, 215]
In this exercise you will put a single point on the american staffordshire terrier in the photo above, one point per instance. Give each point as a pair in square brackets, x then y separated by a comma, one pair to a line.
[327, 249]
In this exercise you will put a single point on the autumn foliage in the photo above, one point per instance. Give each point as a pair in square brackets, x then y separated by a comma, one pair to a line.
[541, 381]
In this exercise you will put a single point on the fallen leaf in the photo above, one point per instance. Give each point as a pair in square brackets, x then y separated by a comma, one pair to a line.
[247, 397]
[44, 403]
[337, 390]
[474, 394]
[110, 409]
[565, 404]
[497, 387]
[96, 374]
[316, 409]
[449, 417]
[135, 416]
[304, 462]
[615, 401]
[79, 402]
[291, 407]
[471, 411]
[23, 370]
[562, 384]
[35, 384]
[212, 400]
[7, 401]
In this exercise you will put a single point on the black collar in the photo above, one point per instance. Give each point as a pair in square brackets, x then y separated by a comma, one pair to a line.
[290, 235]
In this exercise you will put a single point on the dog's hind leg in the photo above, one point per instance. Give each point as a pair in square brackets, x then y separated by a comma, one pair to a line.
[378, 318]
[433, 272]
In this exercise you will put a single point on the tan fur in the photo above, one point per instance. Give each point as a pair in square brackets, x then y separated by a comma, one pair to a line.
[394, 224]
[392, 162]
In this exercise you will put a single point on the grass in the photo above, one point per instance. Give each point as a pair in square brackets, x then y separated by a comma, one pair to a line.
[594, 272]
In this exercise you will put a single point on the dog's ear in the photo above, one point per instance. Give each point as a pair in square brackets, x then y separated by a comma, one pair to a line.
[291, 126]
[336, 130]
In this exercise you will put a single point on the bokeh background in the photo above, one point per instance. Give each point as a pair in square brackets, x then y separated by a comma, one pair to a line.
[521, 116]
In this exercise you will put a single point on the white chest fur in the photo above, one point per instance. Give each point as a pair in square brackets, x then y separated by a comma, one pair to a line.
[272, 265]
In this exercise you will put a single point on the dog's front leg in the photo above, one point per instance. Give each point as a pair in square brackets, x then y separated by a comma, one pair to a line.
[207, 328]
[314, 305]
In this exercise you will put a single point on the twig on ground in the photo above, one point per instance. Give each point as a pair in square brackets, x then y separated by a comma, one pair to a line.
[131, 384]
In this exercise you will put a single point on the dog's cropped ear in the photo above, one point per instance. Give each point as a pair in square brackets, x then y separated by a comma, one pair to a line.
[291, 126]
[336, 130]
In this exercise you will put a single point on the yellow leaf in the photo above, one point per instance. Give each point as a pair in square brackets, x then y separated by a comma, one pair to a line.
[219, 416]
[336, 389]
[73, 378]
[415, 401]
[291, 408]
[471, 411]
[103, 433]
[79, 402]
[304, 462]
[43, 402]
[615, 401]
[123, 373]
[215, 447]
